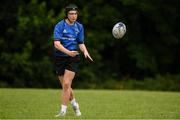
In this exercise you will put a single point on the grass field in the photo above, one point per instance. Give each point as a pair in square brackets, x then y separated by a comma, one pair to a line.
[94, 104]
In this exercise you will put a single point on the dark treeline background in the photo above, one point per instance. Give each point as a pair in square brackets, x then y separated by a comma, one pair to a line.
[147, 57]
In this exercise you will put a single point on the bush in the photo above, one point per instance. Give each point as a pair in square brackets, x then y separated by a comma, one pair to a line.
[159, 82]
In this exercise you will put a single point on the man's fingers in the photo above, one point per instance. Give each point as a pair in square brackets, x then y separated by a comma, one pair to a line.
[75, 52]
[89, 57]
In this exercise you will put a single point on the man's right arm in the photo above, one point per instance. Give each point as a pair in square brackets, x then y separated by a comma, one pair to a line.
[60, 47]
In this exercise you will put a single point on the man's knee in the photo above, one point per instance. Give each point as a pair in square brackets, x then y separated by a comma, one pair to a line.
[66, 85]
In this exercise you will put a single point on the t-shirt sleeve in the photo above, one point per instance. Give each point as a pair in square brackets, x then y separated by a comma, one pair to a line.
[58, 32]
[80, 38]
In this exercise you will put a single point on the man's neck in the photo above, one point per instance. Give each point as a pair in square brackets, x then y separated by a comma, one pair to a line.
[69, 22]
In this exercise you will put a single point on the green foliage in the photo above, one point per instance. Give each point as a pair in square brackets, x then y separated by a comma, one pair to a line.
[29, 52]
[163, 83]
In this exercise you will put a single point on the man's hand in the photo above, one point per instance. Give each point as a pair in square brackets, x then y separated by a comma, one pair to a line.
[73, 53]
[86, 55]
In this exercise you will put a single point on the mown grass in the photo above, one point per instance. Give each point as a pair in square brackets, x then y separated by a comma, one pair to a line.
[94, 104]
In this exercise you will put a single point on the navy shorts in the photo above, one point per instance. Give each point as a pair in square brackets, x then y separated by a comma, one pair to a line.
[66, 63]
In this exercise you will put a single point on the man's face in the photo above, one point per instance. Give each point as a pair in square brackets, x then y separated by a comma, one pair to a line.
[72, 15]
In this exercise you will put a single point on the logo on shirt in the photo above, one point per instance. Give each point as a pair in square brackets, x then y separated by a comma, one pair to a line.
[76, 31]
[64, 31]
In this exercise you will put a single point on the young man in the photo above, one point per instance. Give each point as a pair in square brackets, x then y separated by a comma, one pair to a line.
[68, 37]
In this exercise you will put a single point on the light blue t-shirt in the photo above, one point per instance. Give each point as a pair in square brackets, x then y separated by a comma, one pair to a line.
[69, 36]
